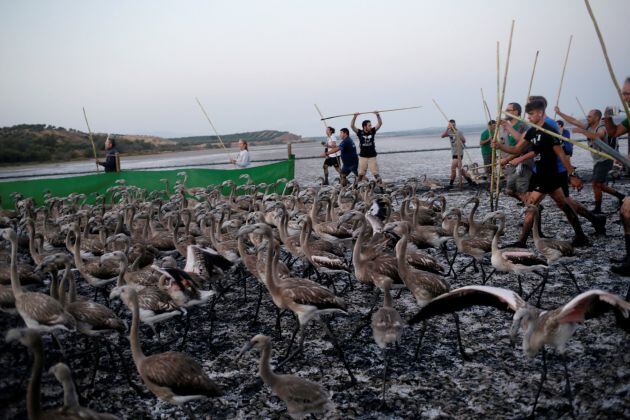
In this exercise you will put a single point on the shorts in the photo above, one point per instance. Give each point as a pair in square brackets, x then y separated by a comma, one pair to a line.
[348, 169]
[546, 184]
[601, 169]
[366, 163]
[517, 183]
[456, 157]
[487, 160]
[332, 161]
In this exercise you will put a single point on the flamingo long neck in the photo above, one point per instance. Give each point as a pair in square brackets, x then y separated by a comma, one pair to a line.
[241, 247]
[358, 245]
[270, 271]
[15, 278]
[387, 297]
[78, 261]
[305, 236]
[497, 235]
[72, 292]
[70, 398]
[31, 243]
[536, 229]
[119, 223]
[471, 216]
[33, 406]
[456, 236]
[264, 369]
[401, 256]
[136, 350]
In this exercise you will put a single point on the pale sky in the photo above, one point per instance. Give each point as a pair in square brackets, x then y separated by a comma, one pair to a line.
[138, 65]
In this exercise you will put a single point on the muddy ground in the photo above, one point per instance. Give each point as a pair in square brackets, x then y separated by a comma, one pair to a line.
[498, 381]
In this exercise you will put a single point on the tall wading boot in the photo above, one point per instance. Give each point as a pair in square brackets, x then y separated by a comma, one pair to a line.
[580, 238]
[598, 207]
[598, 221]
[624, 268]
[450, 184]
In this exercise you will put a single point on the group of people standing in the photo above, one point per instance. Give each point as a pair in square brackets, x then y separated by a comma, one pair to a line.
[341, 152]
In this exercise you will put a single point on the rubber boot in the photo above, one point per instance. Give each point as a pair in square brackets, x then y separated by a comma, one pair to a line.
[580, 238]
[624, 268]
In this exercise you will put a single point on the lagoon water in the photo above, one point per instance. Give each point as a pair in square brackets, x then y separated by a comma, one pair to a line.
[416, 158]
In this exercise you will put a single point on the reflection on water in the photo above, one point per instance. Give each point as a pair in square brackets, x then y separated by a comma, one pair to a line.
[392, 166]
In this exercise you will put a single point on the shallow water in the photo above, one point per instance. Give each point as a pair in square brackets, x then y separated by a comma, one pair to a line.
[392, 166]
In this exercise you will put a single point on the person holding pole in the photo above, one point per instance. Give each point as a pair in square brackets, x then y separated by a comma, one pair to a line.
[243, 160]
[332, 158]
[546, 180]
[518, 169]
[367, 148]
[613, 129]
[110, 159]
[349, 157]
[458, 142]
[594, 129]
[486, 150]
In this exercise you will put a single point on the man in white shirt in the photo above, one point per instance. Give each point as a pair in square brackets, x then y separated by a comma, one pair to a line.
[332, 159]
[243, 160]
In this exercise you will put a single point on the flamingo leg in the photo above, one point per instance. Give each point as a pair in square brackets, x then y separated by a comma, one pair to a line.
[260, 294]
[186, 328]
[490, 275]
[572, 277]
[300, 347]
[462, 352]
[422, 332]
[386, 363]
[333, 339]
[295, 332]
[365, 319]
[568, 385]
[543, 378]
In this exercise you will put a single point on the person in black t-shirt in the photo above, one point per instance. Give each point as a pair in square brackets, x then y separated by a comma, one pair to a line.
[546, 180]
[367, 148]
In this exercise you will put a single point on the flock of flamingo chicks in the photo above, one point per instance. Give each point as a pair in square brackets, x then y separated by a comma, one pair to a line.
[183, 256]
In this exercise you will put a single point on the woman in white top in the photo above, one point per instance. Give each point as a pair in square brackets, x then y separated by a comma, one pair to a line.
[243, 160]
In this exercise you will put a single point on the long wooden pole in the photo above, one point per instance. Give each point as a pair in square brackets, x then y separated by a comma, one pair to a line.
[581, 107]
[531, 79]
[91, 139]
[485, 106]
[213, 127]
[605, 51]
[459, 143]
[500, 107]
[494, 152]
[370, 112]
[558, 136]
[324, 122]
[564, 69]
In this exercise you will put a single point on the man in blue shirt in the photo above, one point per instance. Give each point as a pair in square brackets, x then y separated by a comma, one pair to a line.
[349, 157]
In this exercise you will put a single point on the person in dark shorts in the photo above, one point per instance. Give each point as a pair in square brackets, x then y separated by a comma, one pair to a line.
[110, 160]
[367, 148]
[546, 180]
[348, 153]
[332, 159]
[594, 129]
[486, 149]
[458, 142]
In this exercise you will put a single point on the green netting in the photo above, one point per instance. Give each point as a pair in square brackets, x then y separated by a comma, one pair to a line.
[147, 179]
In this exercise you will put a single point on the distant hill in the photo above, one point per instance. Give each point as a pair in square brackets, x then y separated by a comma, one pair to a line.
[27, 143]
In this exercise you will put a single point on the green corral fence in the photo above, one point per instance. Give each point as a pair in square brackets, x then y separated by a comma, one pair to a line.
[147, 179]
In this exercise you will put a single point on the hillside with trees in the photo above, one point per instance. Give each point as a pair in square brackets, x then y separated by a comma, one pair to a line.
[29, 143]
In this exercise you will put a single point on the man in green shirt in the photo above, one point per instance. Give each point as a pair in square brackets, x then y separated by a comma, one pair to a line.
[486, 149]
[518, 171]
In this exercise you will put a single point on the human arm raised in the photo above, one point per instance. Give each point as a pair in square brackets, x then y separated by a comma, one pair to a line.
[570, 119]
[353, 122]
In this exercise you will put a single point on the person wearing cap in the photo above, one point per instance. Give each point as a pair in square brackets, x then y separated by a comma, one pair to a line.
[486, 149]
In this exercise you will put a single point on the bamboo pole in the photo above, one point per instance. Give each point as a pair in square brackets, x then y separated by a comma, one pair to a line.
[558, 136]
[608, 64]
[459, 143]
[564, 68]
[485, 106]
[91, 139]
[581, 107]
[371, 112]
[214, 128]
[500, 107]
[493, 161]
[531, 79]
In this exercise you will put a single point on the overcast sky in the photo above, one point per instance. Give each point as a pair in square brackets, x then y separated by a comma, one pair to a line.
[136, 66]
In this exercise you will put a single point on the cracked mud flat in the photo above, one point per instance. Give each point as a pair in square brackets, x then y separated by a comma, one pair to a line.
[498, 382]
